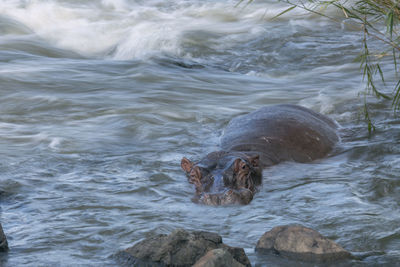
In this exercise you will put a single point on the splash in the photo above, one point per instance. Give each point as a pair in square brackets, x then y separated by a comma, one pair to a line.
[122, 29]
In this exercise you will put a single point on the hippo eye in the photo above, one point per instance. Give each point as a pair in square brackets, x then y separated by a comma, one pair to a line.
[195, 173]
[240, 165]
[203, 171]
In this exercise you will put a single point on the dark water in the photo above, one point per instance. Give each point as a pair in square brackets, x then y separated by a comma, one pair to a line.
[99, 101]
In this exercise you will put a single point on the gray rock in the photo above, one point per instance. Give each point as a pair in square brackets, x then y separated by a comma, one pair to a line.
[3, 240]
[180, 248]
[301, 243]
[217, 258]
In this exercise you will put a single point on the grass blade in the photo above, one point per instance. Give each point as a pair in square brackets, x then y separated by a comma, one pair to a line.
[285, 11]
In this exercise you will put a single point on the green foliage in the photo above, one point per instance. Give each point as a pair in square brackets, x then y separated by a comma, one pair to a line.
[377, 19]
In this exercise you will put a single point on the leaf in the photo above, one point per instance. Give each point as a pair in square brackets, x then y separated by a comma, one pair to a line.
[396, 98]
[371, 126]
[380, 72]
[389, 23]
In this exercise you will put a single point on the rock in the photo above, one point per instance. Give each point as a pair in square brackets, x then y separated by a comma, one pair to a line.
[238, 254]
[216, 258]
[301, 243]
[180, 248]
[3, 240]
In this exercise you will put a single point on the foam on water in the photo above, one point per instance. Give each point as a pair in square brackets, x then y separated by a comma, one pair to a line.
[131, 29]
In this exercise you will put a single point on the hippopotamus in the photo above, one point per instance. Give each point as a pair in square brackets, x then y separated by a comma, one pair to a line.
[254, 141]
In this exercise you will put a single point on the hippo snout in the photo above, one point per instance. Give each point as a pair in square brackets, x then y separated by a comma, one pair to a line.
[229, 197]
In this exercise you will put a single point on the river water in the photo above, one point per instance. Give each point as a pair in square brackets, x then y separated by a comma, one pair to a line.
[100, 99]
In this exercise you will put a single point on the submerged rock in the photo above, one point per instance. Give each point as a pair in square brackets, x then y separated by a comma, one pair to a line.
[183, 248]
[3, 240]
[301, 243]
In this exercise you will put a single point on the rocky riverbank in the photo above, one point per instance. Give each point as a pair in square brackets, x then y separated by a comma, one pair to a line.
[184, 248]
[199, 248]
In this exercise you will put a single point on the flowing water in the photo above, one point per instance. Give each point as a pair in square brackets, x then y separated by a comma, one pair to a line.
[100, 99]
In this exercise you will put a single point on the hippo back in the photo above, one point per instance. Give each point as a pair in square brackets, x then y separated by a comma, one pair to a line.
[281, 132]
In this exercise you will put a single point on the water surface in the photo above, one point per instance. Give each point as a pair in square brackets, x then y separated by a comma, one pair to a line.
[99, 101]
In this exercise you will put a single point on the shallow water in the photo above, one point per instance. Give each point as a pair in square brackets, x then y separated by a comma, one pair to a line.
[99, 101]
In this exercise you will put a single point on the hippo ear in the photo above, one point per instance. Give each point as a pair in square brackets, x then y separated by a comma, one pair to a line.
[186, 165]
[255, 161]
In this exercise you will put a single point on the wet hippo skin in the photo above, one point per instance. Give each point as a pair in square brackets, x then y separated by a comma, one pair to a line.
[254, 141]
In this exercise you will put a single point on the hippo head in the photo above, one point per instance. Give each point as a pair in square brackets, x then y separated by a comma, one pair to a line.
[221, 172]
